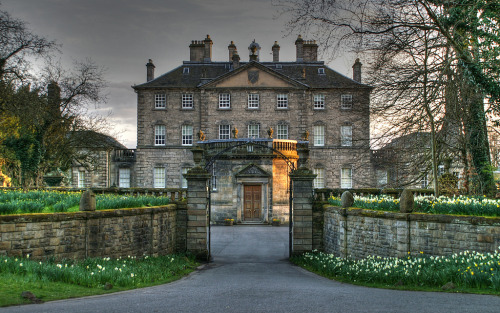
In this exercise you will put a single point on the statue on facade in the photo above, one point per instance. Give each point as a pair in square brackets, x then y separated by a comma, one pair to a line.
[235, 133]
[305, 137]
[270, 132]
[201, 135]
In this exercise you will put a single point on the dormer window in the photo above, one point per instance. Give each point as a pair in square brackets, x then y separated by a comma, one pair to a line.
[321, 71]
[279, 66]
[185, 70]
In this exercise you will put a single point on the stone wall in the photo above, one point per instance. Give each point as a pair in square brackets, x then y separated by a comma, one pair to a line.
[358, 233]
[78, 235]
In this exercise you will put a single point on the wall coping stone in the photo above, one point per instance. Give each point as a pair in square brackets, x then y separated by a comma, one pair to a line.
[417, 217]
[83, 215]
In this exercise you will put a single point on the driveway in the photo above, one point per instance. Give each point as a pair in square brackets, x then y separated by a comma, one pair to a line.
[250, 273]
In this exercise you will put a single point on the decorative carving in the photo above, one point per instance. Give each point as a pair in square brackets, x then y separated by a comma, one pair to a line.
[270, 132]
[253, 170]
[253, 76]
[235, 133]
[201, 135]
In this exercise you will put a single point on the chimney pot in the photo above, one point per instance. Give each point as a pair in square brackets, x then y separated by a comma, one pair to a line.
[276, 52]
[150, 70]
[356, 71]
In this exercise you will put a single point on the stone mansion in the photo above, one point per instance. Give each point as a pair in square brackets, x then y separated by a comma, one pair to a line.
[251, 104]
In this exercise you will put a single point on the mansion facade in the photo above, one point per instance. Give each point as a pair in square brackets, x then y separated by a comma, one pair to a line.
[250, 104]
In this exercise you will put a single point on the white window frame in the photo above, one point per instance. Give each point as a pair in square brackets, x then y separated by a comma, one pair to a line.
[187, 101]
[440, 170]
[346, 101]
[319, 181]
[346, 136]
[224, 101]
[225, 131]
[253, 101]
[185, 70]
[160, 131]
[321, 71]
[424, 182]
[282, 131]
[319, 135]
[253, 131]
[187, 135]
[184, 182]
[346, 178]
[160, 101]
[282, 101]
[124, 177]
[159, 177]
[81, 179]
[319, 102]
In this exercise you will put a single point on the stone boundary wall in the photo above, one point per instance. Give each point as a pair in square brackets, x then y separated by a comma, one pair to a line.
[358, 233]
[106, 233]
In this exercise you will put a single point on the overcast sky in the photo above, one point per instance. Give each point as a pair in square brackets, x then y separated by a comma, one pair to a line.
[123, 34]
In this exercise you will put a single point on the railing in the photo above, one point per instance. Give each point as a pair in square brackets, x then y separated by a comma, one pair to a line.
[255, 147]
[325, 193]
[124, 155]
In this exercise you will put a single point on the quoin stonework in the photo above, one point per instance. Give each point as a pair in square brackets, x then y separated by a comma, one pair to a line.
[266, 110]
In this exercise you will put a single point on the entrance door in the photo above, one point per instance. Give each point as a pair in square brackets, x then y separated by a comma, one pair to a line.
[253, 200]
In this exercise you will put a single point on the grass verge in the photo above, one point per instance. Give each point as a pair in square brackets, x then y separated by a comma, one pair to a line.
[50, 280]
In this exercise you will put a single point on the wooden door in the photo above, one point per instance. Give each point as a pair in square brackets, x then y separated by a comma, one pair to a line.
[252, 202]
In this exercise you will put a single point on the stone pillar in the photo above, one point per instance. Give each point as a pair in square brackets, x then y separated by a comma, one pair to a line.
[197, 220]
[302, 180]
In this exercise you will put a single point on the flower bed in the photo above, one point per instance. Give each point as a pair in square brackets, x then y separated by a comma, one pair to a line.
[19, 202]
[462, 205]
[464, 270]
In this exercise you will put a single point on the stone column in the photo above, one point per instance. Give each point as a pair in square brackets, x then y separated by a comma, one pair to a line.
[302, 210]
[197, 220]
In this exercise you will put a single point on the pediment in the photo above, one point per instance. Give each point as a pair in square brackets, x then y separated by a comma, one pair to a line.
[254, 75]
[252, 170]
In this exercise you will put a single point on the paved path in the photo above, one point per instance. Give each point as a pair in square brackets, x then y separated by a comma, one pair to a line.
[250, 273]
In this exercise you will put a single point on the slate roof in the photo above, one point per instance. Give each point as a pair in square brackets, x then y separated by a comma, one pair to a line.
[203, 73]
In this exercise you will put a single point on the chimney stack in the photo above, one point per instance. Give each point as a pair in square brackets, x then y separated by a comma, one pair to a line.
[208, 49]
[299, 45]
[236, 59]
[310, 51]
[201, 50]
[356, 71]
[150, 71]
[232, 49]
[276, 52]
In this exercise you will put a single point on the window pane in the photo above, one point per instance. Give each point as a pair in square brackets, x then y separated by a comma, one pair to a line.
[124, 178]
[253, 131]
[187, 135]
[346, 101]
[187, 101]
[319, 101]
[319, 135]
[282, 101]
[159, 135]
[282, 132]
[319, 181]
[346, 136]
[346, 178]
[159, 177]
[253, 101]
[81, 179]
[224, 101]
[224, 131]
[160, 101]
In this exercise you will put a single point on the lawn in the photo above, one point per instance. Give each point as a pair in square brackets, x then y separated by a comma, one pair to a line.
[50, 280]
[43, 201]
